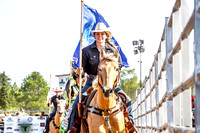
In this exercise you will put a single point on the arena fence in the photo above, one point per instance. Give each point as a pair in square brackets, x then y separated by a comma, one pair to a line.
[164, 102]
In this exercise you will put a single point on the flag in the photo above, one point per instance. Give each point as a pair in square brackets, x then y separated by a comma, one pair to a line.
[90, 18]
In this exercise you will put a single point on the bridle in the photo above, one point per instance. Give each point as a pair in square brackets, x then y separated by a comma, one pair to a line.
[60, 113]
[59, 106]
[119, 107]
[117, 77]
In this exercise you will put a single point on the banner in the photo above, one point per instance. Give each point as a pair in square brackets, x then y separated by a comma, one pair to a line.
[19, 124]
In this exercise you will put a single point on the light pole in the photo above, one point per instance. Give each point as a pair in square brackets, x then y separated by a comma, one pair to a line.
[138, 49]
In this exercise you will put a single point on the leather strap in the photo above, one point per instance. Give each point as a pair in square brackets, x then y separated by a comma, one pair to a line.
[55, 124]
[91, 76]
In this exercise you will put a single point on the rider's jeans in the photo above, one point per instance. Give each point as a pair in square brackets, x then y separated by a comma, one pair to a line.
[51, 114]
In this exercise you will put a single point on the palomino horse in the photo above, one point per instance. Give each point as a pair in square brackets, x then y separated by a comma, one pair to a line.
[105, 110]
[55, 123]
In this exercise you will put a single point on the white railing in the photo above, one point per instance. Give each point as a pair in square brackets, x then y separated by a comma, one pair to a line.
[164, 101]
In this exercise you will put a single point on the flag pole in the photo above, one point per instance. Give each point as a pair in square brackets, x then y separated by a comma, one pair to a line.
[50, 96]
[70, 77]
[80, 56]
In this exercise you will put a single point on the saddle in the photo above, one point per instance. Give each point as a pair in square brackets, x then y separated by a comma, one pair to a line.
[83, 109]
[81, 120]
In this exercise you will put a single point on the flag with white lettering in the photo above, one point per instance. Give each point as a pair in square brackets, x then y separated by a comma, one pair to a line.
[90, 18]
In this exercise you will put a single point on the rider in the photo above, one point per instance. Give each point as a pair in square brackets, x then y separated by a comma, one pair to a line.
[90, 62]
[58, 95]
[74, 85]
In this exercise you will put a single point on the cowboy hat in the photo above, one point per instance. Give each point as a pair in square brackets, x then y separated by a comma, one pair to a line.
[100, 27]
[58, 89]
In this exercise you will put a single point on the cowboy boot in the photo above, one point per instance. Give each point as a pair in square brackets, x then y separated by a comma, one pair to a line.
[46, 130]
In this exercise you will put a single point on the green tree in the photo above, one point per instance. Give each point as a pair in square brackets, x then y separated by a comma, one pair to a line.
[5, 88]
[34, 92]
[128, 82]
[14, 94]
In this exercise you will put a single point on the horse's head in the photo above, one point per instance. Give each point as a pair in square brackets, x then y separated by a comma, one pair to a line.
[108, 73]
[61, 106]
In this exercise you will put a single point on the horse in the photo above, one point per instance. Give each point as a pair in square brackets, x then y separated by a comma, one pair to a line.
[55, 123]
[104, 113]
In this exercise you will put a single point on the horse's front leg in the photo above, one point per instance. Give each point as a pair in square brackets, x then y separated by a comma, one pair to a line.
[117, 122]
[96, 124]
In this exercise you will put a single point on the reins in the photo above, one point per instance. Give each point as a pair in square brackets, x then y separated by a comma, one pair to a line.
[56, 127]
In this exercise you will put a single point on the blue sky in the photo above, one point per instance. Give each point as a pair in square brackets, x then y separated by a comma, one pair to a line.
[41, 35]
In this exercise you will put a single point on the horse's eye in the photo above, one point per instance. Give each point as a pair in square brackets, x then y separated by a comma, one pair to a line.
[100, 69]
[117, 69]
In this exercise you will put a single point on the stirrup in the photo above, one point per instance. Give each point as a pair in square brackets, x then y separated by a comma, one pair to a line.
[46, 130]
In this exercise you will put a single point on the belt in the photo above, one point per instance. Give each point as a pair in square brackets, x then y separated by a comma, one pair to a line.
[91, 76]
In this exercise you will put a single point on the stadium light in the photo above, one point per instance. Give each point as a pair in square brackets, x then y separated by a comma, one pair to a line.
[138, 49]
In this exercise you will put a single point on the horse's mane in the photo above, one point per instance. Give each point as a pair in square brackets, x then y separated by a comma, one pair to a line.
[110, 56]
[94, 86]
[95, 83]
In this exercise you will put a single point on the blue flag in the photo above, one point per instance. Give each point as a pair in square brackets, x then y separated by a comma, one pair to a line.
[90, 18]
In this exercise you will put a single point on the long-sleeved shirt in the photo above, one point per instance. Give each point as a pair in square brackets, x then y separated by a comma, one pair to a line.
[53, 100]
[91, 57]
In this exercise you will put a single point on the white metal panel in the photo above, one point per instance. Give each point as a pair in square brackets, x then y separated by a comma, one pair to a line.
[176, 70]
[176, 27]
[165, 112]
[148, 104]
[185, 14]
[154, 119]
[153, 75]
[159, 62]
[186, 108]
[153, 98]
[147, 87]
[163, 51]
[162, 86]
[191, 52]
[164, 81]
[177, 110]
[161, 90]
[161, 116]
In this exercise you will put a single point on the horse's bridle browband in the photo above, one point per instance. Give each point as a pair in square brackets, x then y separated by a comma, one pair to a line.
[117, 78]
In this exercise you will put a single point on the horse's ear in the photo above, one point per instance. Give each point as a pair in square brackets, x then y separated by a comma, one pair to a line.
[116, 53]
[102, 53]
